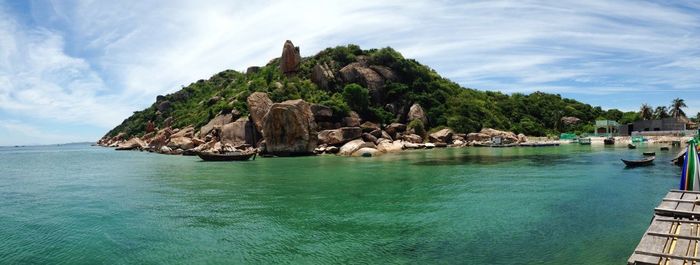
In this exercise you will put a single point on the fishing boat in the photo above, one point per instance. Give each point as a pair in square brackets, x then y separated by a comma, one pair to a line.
[637, 163]
[584, 141]
[228, 156]
[631, 146]
[649, 153]
[609, 141]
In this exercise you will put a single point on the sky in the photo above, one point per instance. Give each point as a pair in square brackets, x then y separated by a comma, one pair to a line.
[72, 70]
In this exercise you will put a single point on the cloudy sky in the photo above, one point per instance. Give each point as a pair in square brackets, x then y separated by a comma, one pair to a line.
[71, 70]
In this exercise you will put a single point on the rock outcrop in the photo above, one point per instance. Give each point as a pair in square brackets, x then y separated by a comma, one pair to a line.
[258, 106]
[240, 132]
[506, 137]
[290, 60]
[350, 147]
[322, 113]
[323, 76]
[359, 73]
[395, 128]
[416, 112]
[441, 136]
[289, 129]
[133, 143]
[339, 136]
[216, 123]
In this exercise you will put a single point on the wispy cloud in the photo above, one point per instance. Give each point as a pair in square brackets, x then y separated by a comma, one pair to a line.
[93, 62]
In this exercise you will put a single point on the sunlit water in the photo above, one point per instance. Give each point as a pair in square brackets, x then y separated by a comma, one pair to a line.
[572, 204]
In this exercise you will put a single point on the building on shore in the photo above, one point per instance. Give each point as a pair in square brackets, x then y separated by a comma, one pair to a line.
[607, 127]
[657, 127]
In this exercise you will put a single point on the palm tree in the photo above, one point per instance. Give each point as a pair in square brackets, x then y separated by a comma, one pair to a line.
[645, 112]
[661, 112]
[676, 108]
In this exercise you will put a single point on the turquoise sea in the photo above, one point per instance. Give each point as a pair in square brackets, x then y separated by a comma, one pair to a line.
[77, 204]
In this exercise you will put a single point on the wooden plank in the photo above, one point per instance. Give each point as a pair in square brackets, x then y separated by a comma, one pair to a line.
[669, 204]
[667, 219]
[677, 213]
[685, 191]
[680, 200]
[652, 243]
[684, 237]
[683, 242]
[664, 255]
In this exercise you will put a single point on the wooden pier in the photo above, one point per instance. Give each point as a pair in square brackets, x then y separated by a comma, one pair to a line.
[673, 236]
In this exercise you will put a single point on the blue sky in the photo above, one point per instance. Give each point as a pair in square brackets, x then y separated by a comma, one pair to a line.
[71, 70]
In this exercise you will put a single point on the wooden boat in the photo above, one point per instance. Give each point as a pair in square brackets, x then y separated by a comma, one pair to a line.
[649, 153]
[230, 156]
[642, 162]
[584, 141]
[631, 146]
[609, 141]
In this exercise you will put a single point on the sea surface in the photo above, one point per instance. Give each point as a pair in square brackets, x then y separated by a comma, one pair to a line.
[77, 204]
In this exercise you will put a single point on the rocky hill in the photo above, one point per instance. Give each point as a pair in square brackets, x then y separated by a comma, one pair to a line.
[295, 106]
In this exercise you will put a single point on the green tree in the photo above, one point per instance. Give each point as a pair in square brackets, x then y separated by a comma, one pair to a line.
[357, 97]
[645, 112]
[661, 112]
[677, 106]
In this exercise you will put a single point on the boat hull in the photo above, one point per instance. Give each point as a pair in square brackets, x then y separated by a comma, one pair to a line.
[639, 163]
[225, 157]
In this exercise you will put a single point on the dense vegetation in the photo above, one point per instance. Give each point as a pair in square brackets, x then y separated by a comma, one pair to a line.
[445, 102]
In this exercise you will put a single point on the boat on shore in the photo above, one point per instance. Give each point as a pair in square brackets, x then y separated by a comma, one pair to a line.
[584, 141]
[228, 156]
[609, 141]
[638, 163]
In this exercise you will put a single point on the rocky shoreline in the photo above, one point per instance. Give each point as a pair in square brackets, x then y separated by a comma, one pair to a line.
[295, 127]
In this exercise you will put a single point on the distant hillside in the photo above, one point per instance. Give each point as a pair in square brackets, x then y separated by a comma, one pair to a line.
[379, 84]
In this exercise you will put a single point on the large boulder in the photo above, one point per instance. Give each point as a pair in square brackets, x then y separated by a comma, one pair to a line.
[416, 112]
[353, 120]
[369, 126]
[339, 136]
[369, 138]
[216, 123]
[413, 138]
[506, 137]
[161, 138]
[522, 138]
[258, 105]
[133, 143]
[350, 147]
[182, 142]
[290, 60]
[289, 129]
[385, 72]
[389, 146]
[323, 76]
[478, 137]
[366, 152]
[358, 73]
[570, 120]
[441, 136]
[240, 132]
[164, 106]
[394, 128]
[252, 70]
[322, 113]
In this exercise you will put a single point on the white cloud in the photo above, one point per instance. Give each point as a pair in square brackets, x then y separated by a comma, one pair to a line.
[94, 62]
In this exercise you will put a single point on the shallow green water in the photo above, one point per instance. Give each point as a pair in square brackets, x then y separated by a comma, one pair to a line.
[555, 205]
